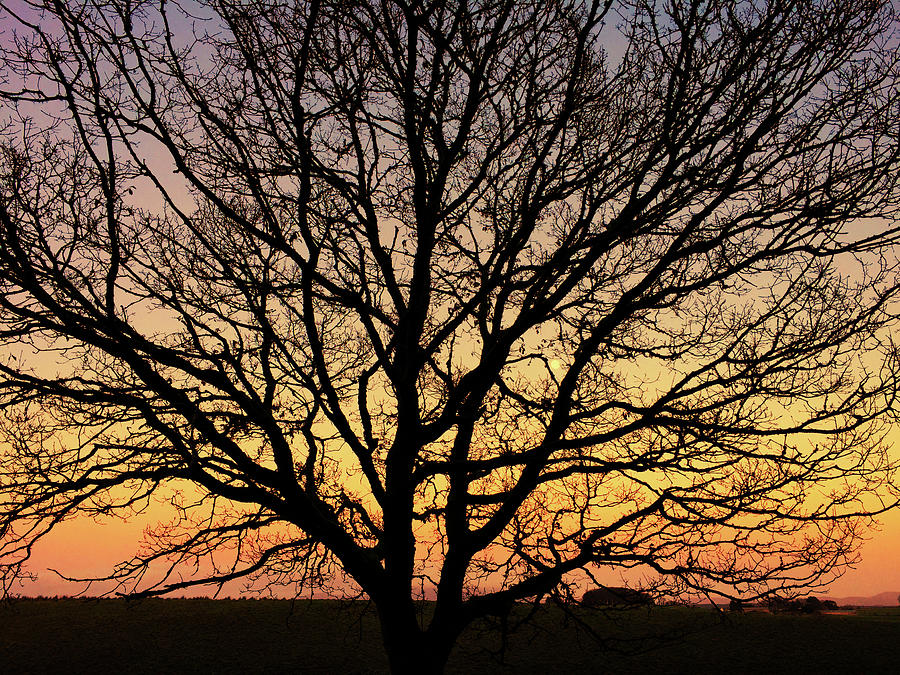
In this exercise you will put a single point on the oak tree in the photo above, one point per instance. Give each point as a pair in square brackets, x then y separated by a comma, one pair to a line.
[462, 300]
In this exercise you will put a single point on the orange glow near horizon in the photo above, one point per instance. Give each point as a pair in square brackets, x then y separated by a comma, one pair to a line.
[83, 547]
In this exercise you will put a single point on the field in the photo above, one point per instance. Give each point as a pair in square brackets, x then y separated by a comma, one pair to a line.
[255, 636]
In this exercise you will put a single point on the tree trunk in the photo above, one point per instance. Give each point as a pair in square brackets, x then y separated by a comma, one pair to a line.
[409, 648]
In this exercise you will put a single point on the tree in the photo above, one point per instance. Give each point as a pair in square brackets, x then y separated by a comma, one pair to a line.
[811, 605]
[458, 300]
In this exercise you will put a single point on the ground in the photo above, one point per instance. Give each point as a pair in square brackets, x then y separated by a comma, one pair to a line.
[255, 636]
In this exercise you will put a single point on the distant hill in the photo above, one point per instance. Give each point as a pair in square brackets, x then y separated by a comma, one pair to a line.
[886, 599]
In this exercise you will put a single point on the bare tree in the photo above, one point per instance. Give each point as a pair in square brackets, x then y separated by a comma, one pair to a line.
[462, 300]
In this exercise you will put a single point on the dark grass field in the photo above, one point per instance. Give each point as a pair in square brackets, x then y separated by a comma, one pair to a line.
[274, 636]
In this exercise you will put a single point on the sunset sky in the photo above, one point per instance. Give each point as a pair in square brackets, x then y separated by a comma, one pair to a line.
[83, 547]
[671, 355]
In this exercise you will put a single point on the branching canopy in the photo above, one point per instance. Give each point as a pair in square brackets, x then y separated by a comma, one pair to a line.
[458, 299]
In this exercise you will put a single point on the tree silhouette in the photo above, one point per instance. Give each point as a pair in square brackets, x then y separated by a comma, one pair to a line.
[462, 300]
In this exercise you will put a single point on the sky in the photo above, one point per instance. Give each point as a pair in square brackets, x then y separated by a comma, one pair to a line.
[82, 547]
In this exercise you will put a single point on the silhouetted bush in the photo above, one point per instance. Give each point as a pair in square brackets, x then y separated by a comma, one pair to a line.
[608, 596]
[811, 604]
[807, 605]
